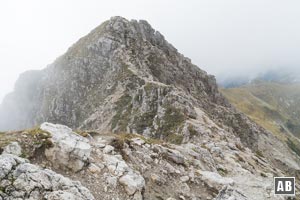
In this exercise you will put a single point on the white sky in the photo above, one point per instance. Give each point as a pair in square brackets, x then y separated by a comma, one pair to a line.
[220, 36]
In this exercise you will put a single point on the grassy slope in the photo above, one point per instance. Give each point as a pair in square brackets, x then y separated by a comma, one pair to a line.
[274, 106]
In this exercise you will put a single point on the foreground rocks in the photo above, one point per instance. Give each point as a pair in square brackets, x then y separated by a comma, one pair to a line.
[21, 180]
[131, 167]
[69, 149]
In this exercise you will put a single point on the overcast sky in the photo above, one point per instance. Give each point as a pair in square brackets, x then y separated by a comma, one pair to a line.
[221, 36]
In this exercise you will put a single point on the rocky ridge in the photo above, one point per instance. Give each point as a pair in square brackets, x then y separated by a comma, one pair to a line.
[129, 166]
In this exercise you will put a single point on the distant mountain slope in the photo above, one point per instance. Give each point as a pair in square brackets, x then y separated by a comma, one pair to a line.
[275, 106]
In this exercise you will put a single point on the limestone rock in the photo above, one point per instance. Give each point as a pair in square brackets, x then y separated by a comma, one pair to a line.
[115, 165]
[133, 183]
[215, 180]
[175, 156]
[108, 149]
[229, 193]
[184, 179]
[13, 148]
[138, 141]
[69, 150]
[32, 182]
[94, 168]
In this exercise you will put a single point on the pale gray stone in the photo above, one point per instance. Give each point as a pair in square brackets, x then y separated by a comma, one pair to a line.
[108, 149]
[133, 182]
[28, 180]
[13, 148]
[69, 150]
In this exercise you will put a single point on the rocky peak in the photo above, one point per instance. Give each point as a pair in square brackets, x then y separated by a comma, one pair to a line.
[118, 61]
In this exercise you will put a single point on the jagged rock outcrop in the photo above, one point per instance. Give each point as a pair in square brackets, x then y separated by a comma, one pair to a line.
[121, 68]
[22, 180]
[124, 77]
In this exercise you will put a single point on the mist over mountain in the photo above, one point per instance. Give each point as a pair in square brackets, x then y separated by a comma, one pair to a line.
[279, 75]
[226, 39]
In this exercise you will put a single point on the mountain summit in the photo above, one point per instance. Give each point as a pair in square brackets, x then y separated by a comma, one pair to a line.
[125, 78]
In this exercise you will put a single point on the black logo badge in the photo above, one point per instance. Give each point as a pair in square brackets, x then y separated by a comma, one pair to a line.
[284, 186]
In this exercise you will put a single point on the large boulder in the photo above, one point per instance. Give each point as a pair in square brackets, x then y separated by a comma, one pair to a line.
[69, 150]
[22, 180]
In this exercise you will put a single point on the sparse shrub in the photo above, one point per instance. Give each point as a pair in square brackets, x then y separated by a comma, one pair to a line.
[144, 121]
[172, 119]
[82, 133]
[222, 171]
[175, 138]
[192, 131]
[262, 174]
[259, 154]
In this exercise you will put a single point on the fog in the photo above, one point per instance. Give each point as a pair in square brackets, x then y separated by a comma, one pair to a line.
[226, 38]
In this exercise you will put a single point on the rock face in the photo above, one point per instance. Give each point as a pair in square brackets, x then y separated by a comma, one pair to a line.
[124, 77]
[22, 180]
[69, 149]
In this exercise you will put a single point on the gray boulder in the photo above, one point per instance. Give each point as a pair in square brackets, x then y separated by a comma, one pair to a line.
[13, 148]
[133, 182]
[22, 180]
[70, 150]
